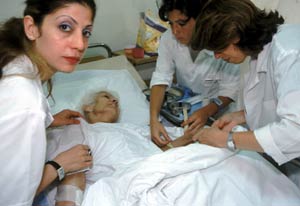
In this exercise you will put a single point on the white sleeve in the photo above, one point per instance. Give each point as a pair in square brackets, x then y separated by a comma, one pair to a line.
[165, 65]
[281, 139]
[23, 149]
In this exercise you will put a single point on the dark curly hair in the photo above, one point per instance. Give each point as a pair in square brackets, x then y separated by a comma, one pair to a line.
[222, 22]
[190, 8]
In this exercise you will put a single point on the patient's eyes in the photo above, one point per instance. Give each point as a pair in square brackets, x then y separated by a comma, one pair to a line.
[104, 96]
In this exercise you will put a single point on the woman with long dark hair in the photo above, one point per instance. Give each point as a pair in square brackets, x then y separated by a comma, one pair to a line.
[52, 36]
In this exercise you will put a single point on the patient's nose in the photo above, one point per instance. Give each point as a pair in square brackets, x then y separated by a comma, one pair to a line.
[115, 101]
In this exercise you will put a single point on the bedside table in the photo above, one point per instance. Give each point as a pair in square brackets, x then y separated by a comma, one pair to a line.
[136, 61]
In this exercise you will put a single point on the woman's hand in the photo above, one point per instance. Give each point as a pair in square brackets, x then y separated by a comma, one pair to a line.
[196, 120]
[159, 134]
[66, 117]
[76, 158]
[212, 136]
[230, 120]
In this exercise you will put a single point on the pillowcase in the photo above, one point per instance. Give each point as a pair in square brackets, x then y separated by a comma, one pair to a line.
[69, 91]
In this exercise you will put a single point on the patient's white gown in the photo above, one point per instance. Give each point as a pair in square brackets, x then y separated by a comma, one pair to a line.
[111, 144]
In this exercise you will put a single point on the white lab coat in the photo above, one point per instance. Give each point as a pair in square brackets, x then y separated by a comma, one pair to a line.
[206, 75]
[24, 115]
[272, 95]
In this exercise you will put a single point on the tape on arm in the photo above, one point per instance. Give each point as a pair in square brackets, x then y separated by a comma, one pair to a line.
[69, 193]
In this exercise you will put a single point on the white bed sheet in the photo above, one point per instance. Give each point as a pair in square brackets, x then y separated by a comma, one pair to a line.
[195, 175]
[114, 63]
[130, 170]
[191, 175]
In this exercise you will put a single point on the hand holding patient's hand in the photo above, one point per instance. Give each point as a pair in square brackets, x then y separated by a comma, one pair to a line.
[76, 158]
[66, 117]
[212, 136]
[159, 134]
[228, 121]
[196, 120]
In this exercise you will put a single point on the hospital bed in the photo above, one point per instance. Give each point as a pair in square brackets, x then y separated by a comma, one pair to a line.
[192, 175]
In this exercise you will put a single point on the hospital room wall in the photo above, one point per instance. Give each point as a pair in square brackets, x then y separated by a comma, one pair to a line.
[289, 9]
[116, 23]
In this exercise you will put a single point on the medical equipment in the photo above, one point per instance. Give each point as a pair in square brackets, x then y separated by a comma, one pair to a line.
[179, 110]
[179, 103]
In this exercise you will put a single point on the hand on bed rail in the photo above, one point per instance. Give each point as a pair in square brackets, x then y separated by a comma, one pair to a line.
[66, 117]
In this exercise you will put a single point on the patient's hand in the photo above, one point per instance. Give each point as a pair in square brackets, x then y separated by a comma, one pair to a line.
[180, 141]
[66, 117]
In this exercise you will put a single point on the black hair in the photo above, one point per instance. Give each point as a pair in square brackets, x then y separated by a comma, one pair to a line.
[190, 8]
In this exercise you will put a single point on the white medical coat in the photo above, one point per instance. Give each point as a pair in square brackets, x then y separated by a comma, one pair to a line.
[272, 95]
[206, 75]
[24, 116]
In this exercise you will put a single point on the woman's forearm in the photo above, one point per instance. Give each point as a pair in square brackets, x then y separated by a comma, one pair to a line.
[156, 100]
[49, 175]
[246, 141]
[240, 116]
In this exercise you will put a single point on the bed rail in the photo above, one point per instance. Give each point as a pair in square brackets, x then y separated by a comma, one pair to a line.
[99, 55]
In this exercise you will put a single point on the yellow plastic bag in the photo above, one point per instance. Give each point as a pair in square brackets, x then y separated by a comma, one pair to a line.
[150, 29]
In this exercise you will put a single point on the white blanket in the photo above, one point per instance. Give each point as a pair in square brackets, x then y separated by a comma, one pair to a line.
[192, 175]
[130, 170]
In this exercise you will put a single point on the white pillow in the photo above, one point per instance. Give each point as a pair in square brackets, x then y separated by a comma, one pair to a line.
[69, 90]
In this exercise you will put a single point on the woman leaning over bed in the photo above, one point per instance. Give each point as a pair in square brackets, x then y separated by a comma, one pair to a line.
[235, 29]
[52, 36]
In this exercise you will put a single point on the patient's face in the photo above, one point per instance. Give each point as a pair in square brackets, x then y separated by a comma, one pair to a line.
[105, 109]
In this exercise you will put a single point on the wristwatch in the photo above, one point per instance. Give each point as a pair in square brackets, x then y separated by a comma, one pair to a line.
[230, 143]
[218, 102]
[59, 169]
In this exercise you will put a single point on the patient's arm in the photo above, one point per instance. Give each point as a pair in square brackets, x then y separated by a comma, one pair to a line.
[77, 183]
[180, 141]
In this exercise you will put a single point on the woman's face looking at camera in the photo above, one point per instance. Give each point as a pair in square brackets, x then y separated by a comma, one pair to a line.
[63, 36]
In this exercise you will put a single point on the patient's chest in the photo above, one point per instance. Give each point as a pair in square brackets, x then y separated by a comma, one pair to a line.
[114, 145]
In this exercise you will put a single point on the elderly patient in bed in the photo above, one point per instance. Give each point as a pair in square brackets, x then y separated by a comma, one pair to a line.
[174, 175]
[101, 109]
